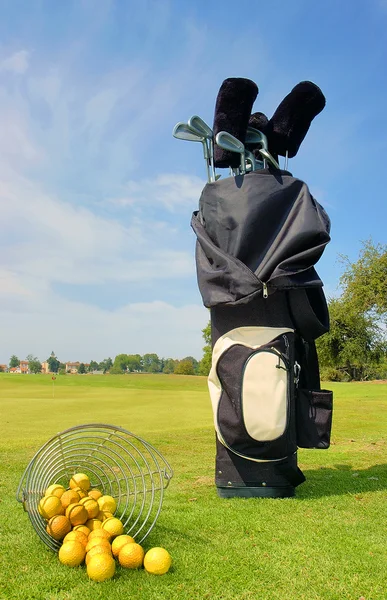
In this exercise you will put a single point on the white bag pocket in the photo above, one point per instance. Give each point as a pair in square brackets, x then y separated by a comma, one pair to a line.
[250, 385]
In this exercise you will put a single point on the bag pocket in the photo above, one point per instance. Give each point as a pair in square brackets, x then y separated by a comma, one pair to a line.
[314, 418]
[250, 386]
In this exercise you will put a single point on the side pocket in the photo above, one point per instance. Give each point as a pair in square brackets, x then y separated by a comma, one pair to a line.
[314, 418]
[251, 386]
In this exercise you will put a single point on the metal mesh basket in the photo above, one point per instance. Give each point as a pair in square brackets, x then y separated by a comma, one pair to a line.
[118, 463]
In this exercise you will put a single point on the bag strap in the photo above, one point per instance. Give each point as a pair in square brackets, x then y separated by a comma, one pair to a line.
[294, 475]
[309, 312]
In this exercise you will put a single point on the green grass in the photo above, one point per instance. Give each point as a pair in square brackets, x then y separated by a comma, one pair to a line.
[327, 543]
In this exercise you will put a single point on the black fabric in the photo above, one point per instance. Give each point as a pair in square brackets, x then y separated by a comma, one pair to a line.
[271, 312]
[232, 112]
[306, 356]
[233, 471]
[259, 121]
[309, 312]
[233, 261]
[314, 418]
[290, 123]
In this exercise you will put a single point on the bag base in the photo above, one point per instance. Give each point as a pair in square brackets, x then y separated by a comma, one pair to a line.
[255, 492]
[237, 477]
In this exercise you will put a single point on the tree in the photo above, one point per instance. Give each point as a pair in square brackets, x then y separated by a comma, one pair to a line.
[184, 367]
[1, 369]
[82, 369]
[169, 365]
[34, 364]
[205, 363]
[194, 362]
[105, 365]
[120, 363]
[53, 363]
[365, 281]
[134, 363]
[151, 363]
[93, 366]
[355, 342]
[14, 361]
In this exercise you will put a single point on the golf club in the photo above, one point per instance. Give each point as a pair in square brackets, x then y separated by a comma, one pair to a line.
[250, 158]
[182, 131]
[228, 142]
[255, 137]
[197, 124]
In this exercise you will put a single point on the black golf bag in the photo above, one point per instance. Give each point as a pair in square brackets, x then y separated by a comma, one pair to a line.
[258, 239]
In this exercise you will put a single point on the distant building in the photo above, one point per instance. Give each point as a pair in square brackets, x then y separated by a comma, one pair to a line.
[72, 367]
[24, 366]
[45, 367]
[3, 368]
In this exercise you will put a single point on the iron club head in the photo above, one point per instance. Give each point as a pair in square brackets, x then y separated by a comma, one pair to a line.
[199, 126]
[228, 142]
[182, 131]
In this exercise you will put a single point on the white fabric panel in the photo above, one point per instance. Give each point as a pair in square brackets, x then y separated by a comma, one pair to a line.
[252, 337]
[264, 397]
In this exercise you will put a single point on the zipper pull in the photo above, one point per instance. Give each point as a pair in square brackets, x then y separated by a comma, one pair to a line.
[265, 292]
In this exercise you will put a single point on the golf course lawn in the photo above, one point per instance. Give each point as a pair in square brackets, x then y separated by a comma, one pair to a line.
[327, 543]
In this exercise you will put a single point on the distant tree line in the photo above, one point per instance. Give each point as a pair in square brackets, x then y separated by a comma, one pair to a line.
[123, 363]
[151, 363]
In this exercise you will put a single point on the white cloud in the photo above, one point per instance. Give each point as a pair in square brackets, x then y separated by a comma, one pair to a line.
[16, 63]
[170, 190]
[58, 127]
[81, 332]
[64, 243]
[52, 241]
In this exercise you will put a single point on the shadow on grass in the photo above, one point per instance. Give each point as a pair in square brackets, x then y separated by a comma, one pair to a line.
[342, 479]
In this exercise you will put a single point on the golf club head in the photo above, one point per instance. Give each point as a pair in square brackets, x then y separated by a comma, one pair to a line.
[231, 144]
[255, 137]
[235, 99]
[182, 131]
[259, 122]
[197, 124]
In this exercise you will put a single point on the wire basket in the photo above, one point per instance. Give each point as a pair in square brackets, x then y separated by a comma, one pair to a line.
[118, 463]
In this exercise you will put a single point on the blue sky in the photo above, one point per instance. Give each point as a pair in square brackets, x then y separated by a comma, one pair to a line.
[97, 254]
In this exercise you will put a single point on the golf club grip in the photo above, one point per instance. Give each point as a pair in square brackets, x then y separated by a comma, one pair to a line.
[233, 106]
[290, 123]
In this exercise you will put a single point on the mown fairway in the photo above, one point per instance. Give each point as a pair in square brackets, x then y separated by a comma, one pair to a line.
[328, 543]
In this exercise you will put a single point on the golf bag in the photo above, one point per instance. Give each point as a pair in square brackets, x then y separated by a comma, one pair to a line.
[258, 239]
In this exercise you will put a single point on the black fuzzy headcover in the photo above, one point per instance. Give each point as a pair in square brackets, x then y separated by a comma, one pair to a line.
[232, 112]
[259, 121]
[290, 123]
